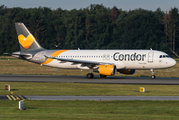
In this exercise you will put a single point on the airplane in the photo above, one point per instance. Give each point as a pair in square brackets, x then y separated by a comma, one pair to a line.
[105, 62]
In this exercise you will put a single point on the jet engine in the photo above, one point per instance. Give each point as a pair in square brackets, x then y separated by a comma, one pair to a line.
[107, 70]
[127, 71]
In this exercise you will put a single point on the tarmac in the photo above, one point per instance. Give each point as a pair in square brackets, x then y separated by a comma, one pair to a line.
[82, 79]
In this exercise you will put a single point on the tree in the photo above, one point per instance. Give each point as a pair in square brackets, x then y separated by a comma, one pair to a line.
[171, 23]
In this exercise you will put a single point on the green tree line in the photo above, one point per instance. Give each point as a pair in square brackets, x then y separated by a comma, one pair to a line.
[93, 27]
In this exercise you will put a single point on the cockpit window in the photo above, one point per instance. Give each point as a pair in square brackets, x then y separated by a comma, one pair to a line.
[163, 56]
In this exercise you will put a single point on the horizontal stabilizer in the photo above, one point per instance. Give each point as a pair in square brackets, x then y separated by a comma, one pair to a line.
[7, 53]
[28, 55]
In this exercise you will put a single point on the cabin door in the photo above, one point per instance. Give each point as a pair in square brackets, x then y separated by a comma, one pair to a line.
[150, 57]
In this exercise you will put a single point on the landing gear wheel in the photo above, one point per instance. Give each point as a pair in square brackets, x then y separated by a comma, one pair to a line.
[102, 76]
[90, 75]
[153, 77]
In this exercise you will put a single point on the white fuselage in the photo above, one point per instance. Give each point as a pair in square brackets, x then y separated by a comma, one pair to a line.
[123, 59]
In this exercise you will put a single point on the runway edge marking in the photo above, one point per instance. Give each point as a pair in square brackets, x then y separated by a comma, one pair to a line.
[14, 97]
[9, 97]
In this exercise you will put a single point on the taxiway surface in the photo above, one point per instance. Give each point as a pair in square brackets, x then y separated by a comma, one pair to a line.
[101, 98]
[83, 79]
[97, 98]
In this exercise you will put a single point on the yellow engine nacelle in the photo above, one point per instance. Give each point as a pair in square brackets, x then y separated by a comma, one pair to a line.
[127, 71]
[107, 70]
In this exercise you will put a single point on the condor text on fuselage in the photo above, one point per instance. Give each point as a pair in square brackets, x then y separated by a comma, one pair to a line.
[129, 57]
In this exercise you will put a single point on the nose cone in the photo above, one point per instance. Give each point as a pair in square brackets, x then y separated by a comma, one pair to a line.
[172, 63]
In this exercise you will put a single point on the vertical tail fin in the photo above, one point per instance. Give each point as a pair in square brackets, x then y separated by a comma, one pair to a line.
[26, 39]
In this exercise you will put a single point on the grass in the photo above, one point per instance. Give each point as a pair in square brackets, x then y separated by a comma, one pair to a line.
[85, 89]
[10, 65]
[87, 110]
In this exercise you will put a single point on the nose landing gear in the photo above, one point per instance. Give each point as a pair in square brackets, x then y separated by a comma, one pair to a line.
[153, 76]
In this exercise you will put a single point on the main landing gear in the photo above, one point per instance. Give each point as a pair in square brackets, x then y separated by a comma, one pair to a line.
[90, 74]
[153, 76]
[102, 76]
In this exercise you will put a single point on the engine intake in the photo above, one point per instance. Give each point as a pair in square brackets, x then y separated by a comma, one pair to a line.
[107, 70]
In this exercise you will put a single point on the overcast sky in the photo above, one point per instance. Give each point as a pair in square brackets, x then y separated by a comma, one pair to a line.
[71, 4]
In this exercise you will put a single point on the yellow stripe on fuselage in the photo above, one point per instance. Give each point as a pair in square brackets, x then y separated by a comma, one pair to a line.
[53, 54]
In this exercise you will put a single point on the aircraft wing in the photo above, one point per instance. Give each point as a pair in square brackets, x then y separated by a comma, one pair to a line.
[83, 62]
